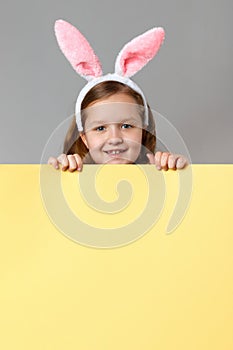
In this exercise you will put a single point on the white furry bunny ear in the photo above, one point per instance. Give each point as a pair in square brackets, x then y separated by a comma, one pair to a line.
[77, 50]
[138, 52]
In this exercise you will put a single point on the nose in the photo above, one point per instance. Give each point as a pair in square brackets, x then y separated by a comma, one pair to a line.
[115, 136]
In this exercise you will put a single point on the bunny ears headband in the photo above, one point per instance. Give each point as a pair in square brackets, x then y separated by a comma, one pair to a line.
[133, 57]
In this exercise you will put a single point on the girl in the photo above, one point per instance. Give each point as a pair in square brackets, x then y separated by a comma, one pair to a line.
[113, 122]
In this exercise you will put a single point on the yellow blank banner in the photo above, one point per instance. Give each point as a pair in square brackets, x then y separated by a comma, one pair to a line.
[158, 290]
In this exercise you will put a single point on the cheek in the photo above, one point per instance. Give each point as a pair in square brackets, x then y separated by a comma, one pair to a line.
[136, 136]
[93, 141]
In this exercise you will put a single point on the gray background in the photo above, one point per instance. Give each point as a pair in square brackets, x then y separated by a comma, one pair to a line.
[190, 81]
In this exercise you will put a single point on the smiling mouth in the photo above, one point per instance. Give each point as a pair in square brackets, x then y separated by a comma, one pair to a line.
[115, 152]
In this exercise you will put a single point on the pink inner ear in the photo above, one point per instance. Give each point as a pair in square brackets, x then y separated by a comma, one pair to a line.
[77, 50]
[138, 52]
[132, 63]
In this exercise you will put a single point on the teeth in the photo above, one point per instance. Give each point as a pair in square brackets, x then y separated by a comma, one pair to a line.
[114, 152]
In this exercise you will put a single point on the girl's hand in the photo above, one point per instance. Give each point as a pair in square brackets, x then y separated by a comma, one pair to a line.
[165, 160]
[69, 162]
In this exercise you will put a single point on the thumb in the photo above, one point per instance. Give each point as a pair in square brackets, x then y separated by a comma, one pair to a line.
[151, 158]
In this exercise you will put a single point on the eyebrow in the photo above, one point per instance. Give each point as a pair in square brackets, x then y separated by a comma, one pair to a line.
[123, 121]
[97, 122]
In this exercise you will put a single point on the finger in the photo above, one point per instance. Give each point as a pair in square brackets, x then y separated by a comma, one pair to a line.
[181, 162]
[164, 160]
[54, 162]
[158, 160]
[172, 159]
[72, 163]
[151, 158]
[79, 162]
[63, 160]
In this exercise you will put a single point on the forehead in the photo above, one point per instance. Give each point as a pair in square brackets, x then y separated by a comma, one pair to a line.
[105, 112]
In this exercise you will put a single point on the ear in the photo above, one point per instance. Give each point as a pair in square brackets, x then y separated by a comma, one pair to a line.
[84, 140]
[77, 50]
[138, 52]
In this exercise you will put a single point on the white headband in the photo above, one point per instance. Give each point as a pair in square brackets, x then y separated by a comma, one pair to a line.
[133, 57]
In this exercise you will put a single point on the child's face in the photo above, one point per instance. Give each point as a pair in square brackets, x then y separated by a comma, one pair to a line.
[113, 130]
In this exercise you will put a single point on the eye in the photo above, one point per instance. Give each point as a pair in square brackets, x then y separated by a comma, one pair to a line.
[100, 128]
[126, 126]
